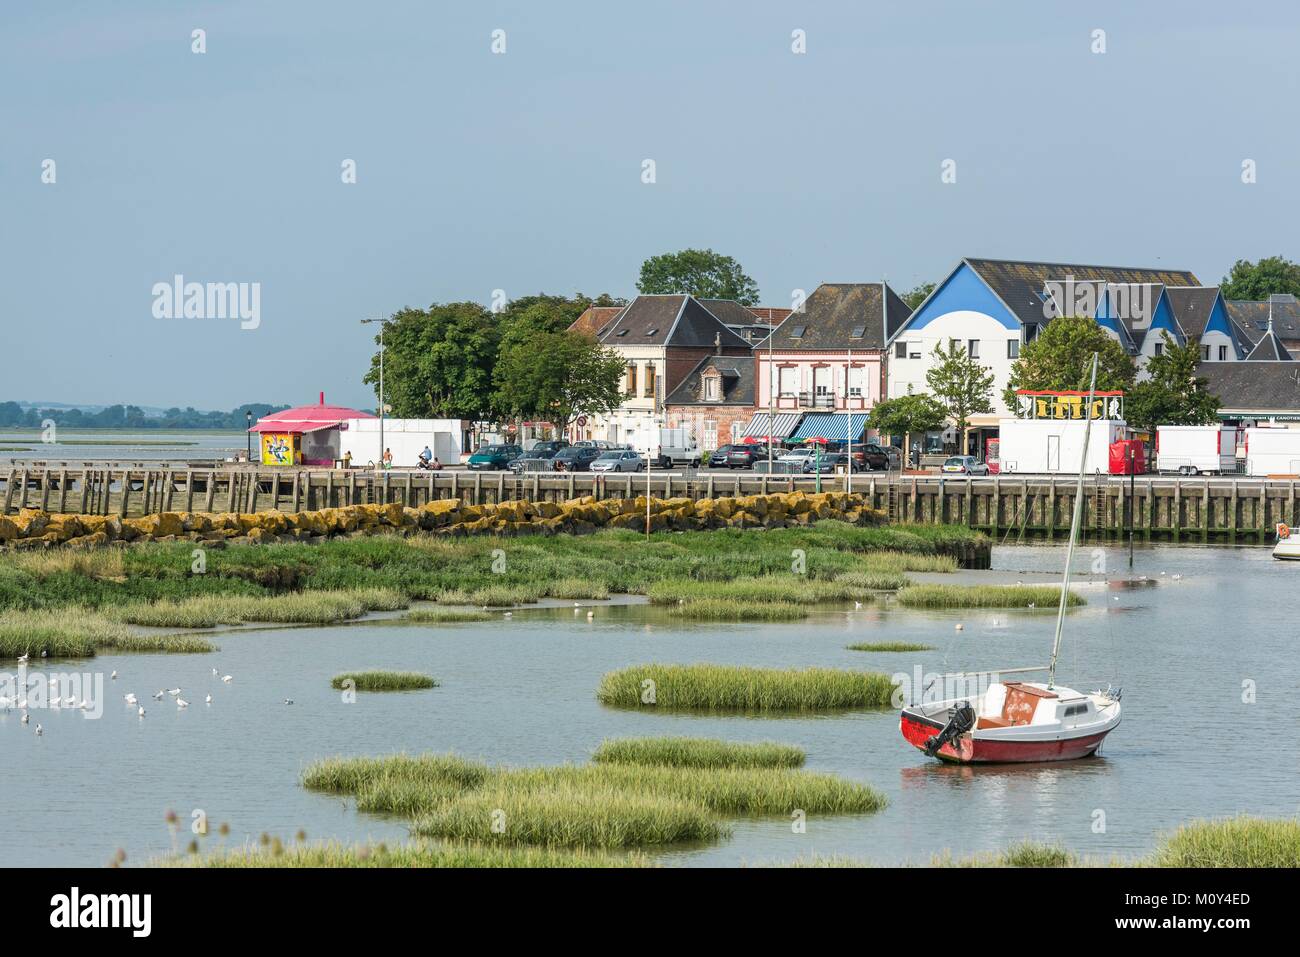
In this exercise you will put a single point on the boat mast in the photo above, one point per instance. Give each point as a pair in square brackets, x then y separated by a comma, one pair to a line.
[1074, 525]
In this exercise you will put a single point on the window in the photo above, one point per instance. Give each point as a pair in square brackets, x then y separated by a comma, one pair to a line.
[1013, 348]
[789, 382]
[797, 332]
[1205, 353]
[711, 388]
[710, 437]
[649, 380]
[1031, 331]
[916, 354]
[1160, 348]
[857, 375]
[621, 332]
[858, 332]
[1223, 353]
[650, 332]
[973, 348]
[900, 350]
[631, 378]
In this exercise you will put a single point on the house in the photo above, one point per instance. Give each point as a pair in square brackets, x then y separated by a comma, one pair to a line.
[1251, 320]
[662, 340]
[714, 401]
[825, 360]
[994, 306]
[1256, 391]
[1144, 317]
[594, 319]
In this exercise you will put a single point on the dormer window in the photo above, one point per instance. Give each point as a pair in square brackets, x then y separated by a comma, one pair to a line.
[651, 332]
[621, 332]
[797, 332]
[858, 332]
[713, 388]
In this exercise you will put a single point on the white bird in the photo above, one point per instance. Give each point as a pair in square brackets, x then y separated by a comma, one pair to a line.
[590, 615]
[83, 704]
[173, 691]
[182, 703]
[215, 672]
[1116, 598]
[1177, 577]
[23, 657]
[26, 717]
[208, 700]
[158, 696]
[39, 730]
[130, 698]
[960, 626]
[141, 711]
[1033, 605]
[508, 615]
[288, 701]
[857, 604]
[227, 679]
[113, 676]
[577, 604]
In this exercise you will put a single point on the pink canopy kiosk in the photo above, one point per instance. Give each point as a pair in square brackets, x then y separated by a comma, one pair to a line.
[306, 435]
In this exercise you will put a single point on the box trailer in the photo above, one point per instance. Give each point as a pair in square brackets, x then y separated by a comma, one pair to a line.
[406, 437]
[1272, 451]
[1054, 446]
[675, 446]
[1193, 449]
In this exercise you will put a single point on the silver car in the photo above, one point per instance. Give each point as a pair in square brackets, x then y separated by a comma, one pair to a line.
[618, 460]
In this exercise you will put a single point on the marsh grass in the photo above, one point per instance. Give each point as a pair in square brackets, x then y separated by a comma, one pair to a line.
[577, 588]
[888, 646]
[101, 563]
[765, 589]
[350, 775]
[986, 596]
[708, 687]
[698, 753]
[210, 611]
[446, 616]
[1233, 842]
[1021, 854]
[384, 680]
[80, 633]
[433, 854]
[873, 581]
[720, 609]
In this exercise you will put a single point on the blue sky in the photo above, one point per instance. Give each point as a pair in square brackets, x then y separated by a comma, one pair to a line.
[522, 171]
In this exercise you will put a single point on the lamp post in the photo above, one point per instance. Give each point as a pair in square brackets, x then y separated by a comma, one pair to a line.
[383, 322]
[248, 420]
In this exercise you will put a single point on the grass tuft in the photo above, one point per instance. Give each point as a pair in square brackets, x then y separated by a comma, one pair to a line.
[1233, 842]
[986, 596]
[888, 646]
[707, 687]
[698, 753]
[446, 616]
[384, 680]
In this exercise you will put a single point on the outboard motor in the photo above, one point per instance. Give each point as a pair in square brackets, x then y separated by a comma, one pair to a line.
[960, 720]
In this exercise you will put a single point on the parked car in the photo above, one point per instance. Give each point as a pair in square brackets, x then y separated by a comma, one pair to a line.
[832, 463]
[494, 458]
[552, 446]
[602, 445]
[618, 460]
[801, 455]
[576, 458]
[718, 457]
[536, 459]
[744, 456]
[964, 465]
[874, 457]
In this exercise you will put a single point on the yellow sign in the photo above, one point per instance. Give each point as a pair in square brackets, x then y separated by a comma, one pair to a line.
[281, 448]
[1064, 406]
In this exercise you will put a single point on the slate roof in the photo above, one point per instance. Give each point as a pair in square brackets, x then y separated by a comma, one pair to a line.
[834, 312]
[1251, 318]
[594, 319]
[1133, 305]
[1020, 284]
[1268, 348]
[1260, 386]
[1192, 306]
[737, 383]
[668, 321]
[730, 312]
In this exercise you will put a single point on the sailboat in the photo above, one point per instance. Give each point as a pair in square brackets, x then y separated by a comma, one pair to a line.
[1020, 721]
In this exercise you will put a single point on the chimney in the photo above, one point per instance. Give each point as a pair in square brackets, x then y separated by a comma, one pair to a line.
[322, 398]
[717, 343]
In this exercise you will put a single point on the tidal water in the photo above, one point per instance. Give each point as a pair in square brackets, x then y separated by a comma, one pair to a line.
[99, 446]
[1205, 654]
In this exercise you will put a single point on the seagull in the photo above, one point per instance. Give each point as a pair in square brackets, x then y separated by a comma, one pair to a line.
[182, 703]
[130, 698]
[39, 730]
[113, 676]
[857, 604]
[208, 700]
[590, 615]
[215, 672]
[173, 691]
[288, 701]
[141, 711]
[158, 696]
[26, 717]
[227, 679]
[960, 626]
[508, 615]
[1177, 577]
[1033, 605]
[23, 658]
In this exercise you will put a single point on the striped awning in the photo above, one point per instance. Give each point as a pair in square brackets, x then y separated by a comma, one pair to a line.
[834, 427]
[782, 425]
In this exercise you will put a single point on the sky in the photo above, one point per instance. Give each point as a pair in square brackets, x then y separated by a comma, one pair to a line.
[522, 170]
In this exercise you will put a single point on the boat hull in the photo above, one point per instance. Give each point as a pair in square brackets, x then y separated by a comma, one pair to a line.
[968, 749]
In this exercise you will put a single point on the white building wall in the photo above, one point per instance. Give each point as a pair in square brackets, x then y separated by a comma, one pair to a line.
[907, 375]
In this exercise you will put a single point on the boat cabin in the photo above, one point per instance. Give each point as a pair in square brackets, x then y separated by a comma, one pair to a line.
[1012, 704]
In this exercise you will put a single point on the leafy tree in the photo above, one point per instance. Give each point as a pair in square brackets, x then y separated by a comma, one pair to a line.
[556, 377]
[1060, 359]
[699, 272]
[555, 313]
[438, 361]
[917, 295]
[1259, 280]
[961, 384]
[908, 415]
[1172, 394]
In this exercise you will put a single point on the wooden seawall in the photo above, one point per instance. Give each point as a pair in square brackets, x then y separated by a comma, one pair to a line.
[1200, 509]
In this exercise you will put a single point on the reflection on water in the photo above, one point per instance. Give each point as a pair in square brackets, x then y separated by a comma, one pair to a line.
[521, 692]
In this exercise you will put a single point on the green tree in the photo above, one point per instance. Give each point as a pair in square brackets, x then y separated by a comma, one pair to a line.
[918, 295]
[1173, 394]
[1259, 280]
[699, 272]
[908, 415]
[555, 313]
[438, 361]
[961, 384]
[556, 377]
[1060, 359]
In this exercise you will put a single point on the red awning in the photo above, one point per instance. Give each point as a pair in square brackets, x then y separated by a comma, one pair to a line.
[308, 418]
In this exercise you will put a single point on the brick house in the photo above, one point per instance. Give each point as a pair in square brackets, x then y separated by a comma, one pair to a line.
[715, 401]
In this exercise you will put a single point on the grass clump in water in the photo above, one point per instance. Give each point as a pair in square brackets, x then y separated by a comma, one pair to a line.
[985, 596]
[311, 608]
[757, 590]
[410, 854]
[577, 588]
[720, 609]
[384, 680]
[1022, 854]
[706, 687]
[888, 646]
[80, 633]
[698, 753]
[1234, 842]
[446, 616]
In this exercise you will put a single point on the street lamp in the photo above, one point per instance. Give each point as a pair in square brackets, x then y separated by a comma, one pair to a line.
[383, 322]
[248, 420]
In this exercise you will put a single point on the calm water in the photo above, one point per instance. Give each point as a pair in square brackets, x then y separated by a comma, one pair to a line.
[93, 445]
[521, 692]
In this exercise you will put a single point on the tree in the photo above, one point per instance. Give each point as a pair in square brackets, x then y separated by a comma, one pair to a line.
[918, 295]
[438, 361]
[962, 384]
[908, 415]
[556, 313]
[1259, 280]
[556, 377]
[1173, 394]
[1060, 360]
[698, 272]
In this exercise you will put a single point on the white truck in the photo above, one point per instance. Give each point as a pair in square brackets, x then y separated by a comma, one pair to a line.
[1196, 449]
[1272, 451]
[674, 447]
[1054, 446]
